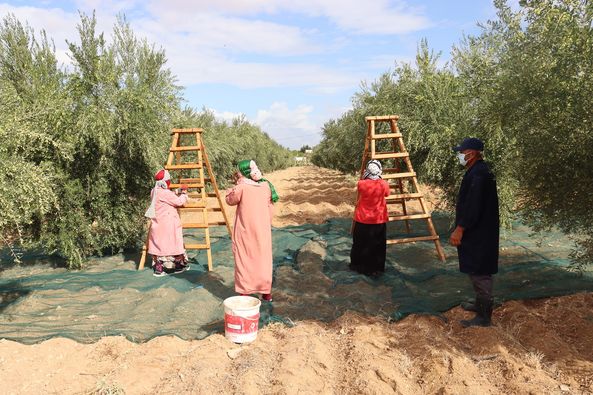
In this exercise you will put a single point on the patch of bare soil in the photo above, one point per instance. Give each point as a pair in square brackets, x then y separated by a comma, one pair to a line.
[535, 347]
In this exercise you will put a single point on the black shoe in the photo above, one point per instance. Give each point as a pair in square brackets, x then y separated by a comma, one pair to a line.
[468, 306]
[180, 268]
[483, 314]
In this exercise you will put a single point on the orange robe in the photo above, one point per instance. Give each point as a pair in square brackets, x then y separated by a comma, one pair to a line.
[252, 237]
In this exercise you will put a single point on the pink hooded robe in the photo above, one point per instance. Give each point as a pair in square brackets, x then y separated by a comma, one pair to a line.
[166, 235]
[252, 237]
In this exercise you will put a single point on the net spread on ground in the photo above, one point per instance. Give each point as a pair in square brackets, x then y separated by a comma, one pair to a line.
[41, 300]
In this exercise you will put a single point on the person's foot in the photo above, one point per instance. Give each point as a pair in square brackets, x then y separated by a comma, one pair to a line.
[468, 306]
[478, 320]
[267, 297]
[376, 274]
[483, 313]
[179, 268]
[158, 270]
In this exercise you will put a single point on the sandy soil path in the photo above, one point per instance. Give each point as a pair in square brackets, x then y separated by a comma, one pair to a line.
[535, 347]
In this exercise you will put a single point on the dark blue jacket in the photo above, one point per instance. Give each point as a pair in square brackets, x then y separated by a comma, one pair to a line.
[477, 212]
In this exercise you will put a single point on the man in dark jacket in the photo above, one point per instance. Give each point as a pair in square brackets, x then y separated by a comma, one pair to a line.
[477, 228]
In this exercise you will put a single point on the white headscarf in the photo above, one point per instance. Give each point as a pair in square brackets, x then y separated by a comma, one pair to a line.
[161, 177]
[373, 170]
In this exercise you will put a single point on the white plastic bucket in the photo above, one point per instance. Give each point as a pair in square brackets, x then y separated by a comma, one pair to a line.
[241, 318]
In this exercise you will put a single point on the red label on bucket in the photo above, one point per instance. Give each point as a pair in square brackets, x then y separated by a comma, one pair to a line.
[241, 325]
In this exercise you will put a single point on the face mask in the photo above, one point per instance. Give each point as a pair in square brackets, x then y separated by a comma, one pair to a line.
[461, 158]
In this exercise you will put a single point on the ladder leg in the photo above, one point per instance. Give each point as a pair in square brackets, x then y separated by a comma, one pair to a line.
[145, 248]
[204, 196]
[400, 183]
[437, 242]
[215, 187]
[209, 250]
[365, 155]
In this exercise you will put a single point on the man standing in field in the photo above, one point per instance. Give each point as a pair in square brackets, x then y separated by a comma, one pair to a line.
[477, 229]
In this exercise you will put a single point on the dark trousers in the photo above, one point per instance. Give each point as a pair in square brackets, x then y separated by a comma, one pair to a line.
[369, 247]
[483, 285]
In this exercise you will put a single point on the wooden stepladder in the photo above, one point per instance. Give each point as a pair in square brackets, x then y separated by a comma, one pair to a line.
[403, 183]
[186, 162]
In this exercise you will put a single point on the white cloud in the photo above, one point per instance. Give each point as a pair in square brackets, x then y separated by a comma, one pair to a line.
[229, 34]
[214, 69]
[366, 17]
[226, 116]
[60, 25]
[363, 17]
[290, 127]
[213, 42]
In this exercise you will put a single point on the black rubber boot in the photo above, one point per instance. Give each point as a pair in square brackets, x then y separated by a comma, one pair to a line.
[468, 306]
[483, 315]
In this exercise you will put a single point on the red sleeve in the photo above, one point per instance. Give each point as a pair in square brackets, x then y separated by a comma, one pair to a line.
[386, 187]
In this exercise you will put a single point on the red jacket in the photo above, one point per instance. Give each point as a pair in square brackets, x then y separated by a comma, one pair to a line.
[371, 207]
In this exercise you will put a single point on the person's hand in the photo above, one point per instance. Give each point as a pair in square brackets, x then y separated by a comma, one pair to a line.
[236, 177]
[184, 187]
[456, 236]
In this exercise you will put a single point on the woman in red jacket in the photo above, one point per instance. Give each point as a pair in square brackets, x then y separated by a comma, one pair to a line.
[370, 218]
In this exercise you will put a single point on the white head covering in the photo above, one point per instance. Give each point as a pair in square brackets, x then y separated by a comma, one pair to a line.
[255, 172]
[373, 170]
[161, 177]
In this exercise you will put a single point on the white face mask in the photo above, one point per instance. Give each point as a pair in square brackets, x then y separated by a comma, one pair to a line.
[461, 158]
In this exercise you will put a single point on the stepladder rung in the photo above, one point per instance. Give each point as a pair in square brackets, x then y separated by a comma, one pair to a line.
[382, 118]
[217, 223]
[194, 226]
[379, 136]
[185, 148]
[189, 185]
[186, 131]
[409, 216]
[399, 173]
[184, 166]
[391, 176]
[195, 180]
[412, 239]
[194, 213]
[389, 155]
[400, 196]
[193, 205]
[197, 247]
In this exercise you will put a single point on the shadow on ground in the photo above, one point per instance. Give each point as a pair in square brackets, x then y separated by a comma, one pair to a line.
[311, 281]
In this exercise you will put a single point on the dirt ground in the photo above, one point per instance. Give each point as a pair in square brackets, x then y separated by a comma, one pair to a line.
[535, 347]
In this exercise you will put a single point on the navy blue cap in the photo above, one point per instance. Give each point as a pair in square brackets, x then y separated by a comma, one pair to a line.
[470, 143]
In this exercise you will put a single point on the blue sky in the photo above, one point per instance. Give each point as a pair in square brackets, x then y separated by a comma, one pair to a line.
[288, 65]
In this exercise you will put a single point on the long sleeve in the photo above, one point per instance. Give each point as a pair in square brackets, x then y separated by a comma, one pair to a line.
[473, 204]
[233, 195]
[170, 198]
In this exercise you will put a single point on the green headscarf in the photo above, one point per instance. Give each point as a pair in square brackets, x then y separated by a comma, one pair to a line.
[245, 168]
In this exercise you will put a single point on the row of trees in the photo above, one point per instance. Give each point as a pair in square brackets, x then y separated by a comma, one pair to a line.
[79, 144]
[524, 86]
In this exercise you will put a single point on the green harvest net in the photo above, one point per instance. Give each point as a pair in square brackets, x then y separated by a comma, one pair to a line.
[40, 299]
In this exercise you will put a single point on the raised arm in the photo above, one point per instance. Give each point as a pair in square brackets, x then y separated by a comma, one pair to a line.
[172, 199]
[233, 195]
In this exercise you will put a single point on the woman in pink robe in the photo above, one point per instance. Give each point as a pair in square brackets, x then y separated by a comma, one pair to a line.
[252, 233]
[165, 241]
